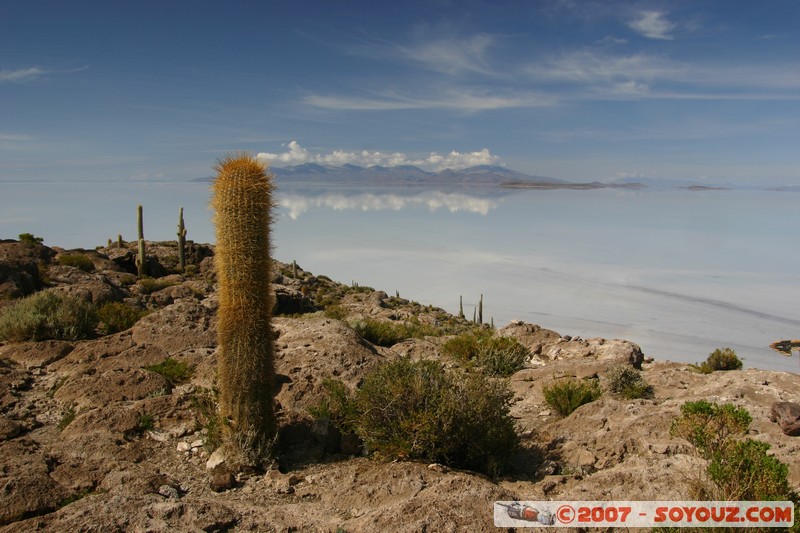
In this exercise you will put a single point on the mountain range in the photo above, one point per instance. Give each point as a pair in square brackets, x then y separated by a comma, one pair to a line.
[406, 175]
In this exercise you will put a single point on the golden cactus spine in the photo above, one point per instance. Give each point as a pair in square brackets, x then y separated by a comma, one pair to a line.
[242, 201]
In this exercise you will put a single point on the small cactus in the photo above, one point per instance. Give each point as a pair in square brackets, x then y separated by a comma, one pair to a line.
[141, 258]
[181, 242]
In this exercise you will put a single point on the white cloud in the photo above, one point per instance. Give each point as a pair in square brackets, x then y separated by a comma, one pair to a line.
[296, 155]
[23, 74]
[653, 25]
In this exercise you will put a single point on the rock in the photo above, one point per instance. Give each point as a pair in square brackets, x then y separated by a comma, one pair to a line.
[533, 337]
[183, 446]
[19, 268]
[89, 390]
[222, 479]
[169, 492]
[350, 444]
[787, 416]
[180, 326]
[216, 458]
[9, 429]
[26, 487]
[289, 301]
[36, 354]
[325, 433]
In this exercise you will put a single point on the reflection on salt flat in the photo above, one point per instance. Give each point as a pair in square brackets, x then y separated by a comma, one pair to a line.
[297, 204]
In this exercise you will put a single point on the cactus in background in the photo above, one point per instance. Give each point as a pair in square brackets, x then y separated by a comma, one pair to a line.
[141, 259]
[460, 306]
[294, 269]
[480, 310]
[242, 201]
[181, 241]
[120, 242]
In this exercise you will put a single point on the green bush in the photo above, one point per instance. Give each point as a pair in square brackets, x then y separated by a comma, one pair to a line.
[719, 359]
[566, 395]
[387, 333]
[335, 311]
[336, 405]
[76, 260]
[418, 411]
[744, 471]
[174, 371]
[738, 469]
[146, 422]
[710, 426]
[66, 419]
[496, 356]
[149, 285]
[628, 382]
[116, 316]
[30, 239]
[48, 315]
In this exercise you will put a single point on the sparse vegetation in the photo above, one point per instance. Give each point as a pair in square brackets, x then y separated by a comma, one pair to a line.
[66, 419]
[709, 426]
[496, 356]
[30, 239]
[566, 395]
[117, 316]
[738, 468]
[407, 410]
[387, 333]
[146, 422]
[78, 261]
[336, 312]
[719, 359]
[150, 285]
[173, 370]
[628, 382]
[48, 315]
[204, 406]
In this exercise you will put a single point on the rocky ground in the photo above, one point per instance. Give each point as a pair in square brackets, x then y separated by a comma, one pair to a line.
[91, 440]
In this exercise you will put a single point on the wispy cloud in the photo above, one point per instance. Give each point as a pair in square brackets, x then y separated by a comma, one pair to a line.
[591, 74]
[32, 73]
[438, 50]
[296, 155]
[452, 55]
[13, 137]
[466, 100]
[20, 75]
[653, 25]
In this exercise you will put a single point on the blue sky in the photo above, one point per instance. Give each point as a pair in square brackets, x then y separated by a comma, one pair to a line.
[702, 90]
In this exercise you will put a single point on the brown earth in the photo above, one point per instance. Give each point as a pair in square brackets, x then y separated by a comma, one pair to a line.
[91, 440]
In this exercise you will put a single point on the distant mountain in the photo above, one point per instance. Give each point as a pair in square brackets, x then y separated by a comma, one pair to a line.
[404, 175]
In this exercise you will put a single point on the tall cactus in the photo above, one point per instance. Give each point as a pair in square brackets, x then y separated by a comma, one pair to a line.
[141, 259]
[181, 241]
[243, 205]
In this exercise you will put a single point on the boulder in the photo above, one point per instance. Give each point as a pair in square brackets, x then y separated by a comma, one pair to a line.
[20, 267]
[787, 416]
